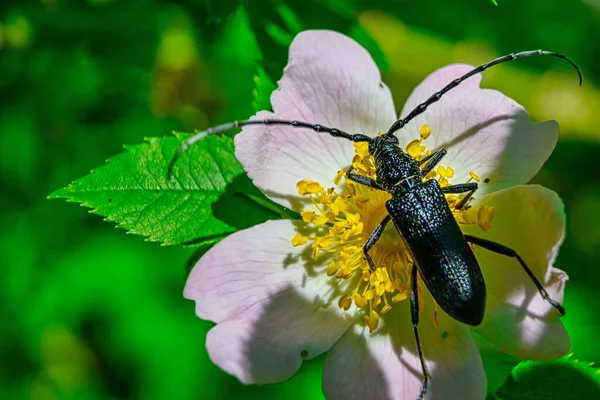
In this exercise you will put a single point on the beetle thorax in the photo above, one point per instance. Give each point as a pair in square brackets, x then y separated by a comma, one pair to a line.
[392, 163]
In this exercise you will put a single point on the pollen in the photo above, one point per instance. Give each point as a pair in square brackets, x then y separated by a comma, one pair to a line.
[444, 174]
[299, 240]
[308, 187]
[416, 149]
[344, 216]
[474, 176]
[363, 162]
[424, 132]
[372, 320]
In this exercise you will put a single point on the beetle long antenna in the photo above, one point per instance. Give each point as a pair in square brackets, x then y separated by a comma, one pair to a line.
[237, 124]
[436, 96]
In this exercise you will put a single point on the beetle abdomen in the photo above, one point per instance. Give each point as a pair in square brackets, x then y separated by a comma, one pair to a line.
[444, 258]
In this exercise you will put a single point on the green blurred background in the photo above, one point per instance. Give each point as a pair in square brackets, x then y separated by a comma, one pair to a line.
[89, 312]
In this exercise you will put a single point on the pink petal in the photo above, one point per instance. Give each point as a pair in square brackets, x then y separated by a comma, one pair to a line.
[530, 220]
[272, 308]
[385, 365]
[329, 80]
[483, 131]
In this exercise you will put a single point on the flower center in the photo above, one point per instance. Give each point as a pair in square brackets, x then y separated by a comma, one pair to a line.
[344, 217]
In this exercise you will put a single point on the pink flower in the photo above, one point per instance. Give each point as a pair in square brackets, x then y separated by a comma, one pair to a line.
[276, 303]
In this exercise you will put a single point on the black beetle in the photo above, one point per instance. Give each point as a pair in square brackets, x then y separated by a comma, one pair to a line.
[421, 214]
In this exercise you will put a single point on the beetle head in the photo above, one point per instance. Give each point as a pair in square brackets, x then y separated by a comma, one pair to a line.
[377, 144]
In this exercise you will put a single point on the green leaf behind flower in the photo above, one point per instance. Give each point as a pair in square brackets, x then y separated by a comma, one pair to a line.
[221, 9]
[563, 379]
[276, 22]
[263, 87]
[208, 196]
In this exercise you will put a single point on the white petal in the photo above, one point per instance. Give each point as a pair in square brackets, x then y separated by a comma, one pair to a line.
[483, 131]
[530, 220]
[267, 298]
[386, 366]
[329, 80]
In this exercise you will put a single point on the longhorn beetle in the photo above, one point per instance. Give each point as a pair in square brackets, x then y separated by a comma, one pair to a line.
[421, 215]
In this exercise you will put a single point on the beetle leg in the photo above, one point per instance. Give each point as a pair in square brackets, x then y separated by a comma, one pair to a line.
[431, 161]
[373, 239]
[501, 249]
[364, 180]
[461, 188]
[414, 313]
[427, 158]
[463, 202]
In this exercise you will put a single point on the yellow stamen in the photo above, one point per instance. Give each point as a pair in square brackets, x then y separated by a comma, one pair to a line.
[325, 198]
[332, 268]
[339, 205]
[424, 132]
[338, 177]
[414, 148]
[299, 240]
[400, 297]
[386, 307]
[308, 187]
[321, 220]
[353, 218]
[446, 172]
[345, 302]
[372, 320]
[359, 300]
[430, 175]
[308, 216]
[474, 176]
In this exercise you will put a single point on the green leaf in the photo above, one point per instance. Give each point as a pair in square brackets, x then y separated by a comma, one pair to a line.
[208, 196]
[220, 10]
[563, 379]
[276, 22]
[263, 87]
[269, 30]
[495, 3]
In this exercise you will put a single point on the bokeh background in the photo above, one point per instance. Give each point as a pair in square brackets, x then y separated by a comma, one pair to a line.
[88, 312]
